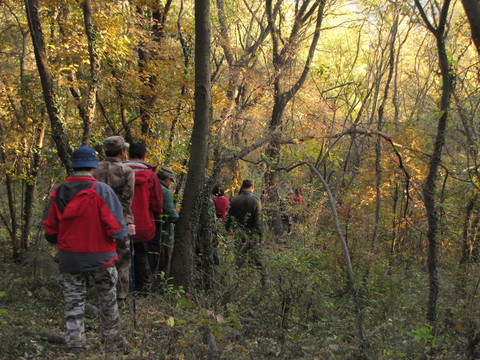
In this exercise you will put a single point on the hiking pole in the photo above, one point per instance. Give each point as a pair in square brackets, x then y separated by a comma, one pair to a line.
[132, 255]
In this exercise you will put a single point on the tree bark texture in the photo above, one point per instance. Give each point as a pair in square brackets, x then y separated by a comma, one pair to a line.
[467, 242]
[53, 107]
[91, 33]
[30, 186]
[430, 185]
[183, 259]
[11, 224]
[145, 58]
[180, 103]
[378, 145]
[282, 96]
[472, 9]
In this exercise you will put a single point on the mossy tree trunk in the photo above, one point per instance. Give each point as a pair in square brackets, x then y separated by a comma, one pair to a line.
[59, 134]
[430, 185]
[183, 258]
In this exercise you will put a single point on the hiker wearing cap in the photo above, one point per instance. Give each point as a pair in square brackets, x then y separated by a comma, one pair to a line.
[147, 207]
[121, 179]
[84, 218]
[160, 251]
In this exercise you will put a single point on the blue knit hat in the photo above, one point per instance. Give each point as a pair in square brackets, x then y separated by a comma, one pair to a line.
[84, 157]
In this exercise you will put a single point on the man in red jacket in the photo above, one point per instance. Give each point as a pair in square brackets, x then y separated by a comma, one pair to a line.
[147, 207]
[84, 219]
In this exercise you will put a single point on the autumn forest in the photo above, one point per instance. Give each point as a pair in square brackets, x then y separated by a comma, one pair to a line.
[368, 107]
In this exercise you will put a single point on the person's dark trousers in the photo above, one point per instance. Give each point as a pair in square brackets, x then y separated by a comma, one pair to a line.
[153, 248]
[159, 256]
[142, 279]
[247, 251]
[165, 258]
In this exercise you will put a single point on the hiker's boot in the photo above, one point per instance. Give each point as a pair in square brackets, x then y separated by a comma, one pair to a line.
[55, 338]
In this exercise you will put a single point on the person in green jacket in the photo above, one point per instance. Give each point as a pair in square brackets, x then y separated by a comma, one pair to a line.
[160, 248]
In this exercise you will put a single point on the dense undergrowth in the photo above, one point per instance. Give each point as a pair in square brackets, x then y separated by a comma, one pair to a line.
[305, 311]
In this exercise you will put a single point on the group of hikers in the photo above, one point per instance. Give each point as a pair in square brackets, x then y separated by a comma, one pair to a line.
[106, 211]
[95, 217]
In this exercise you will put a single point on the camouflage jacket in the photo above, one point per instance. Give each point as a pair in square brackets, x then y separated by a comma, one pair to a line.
[121, 179]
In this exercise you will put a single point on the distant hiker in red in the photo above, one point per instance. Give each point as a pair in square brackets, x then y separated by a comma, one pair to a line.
[298, 199]
[84, 218]
[220, 201]
[147, 207]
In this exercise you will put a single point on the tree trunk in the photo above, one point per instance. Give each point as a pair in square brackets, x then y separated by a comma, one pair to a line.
[186, 228]
[430, 185]
[350, 273]
[145, 57]
[53, 107]
[91, 32]
[206, 249]
[378, 146]
[180, 103]
[10, 224]
[281, 97]
[239, 62]
[31, 185]
[472, 9]
[467, 229]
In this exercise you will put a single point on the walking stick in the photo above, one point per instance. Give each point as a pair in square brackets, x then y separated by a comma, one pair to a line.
[132, 254]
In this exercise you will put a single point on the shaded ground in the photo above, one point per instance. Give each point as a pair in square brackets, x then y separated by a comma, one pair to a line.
[304, 312]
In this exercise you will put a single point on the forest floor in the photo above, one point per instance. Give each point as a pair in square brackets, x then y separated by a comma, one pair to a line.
[305, 311]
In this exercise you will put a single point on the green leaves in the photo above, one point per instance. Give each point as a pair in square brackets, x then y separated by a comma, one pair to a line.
[451, 60]
[423, 334]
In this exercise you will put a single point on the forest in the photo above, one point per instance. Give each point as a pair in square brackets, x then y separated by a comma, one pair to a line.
[369, 107]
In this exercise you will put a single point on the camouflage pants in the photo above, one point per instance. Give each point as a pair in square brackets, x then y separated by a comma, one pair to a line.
[74, 290]
[159, 255]
[123, 268]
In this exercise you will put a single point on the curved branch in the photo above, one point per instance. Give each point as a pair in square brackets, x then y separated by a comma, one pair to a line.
[311, 53]
[424, 17]
[351, 276]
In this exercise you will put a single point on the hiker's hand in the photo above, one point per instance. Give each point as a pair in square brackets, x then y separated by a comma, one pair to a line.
[131, 229]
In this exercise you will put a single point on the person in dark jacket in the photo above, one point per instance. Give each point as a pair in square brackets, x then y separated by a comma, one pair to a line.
[147, 207]
[84, 219]
[244, 220]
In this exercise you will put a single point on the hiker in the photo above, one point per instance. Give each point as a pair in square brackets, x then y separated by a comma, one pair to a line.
[220, 201]
[244, 219]
[298, 203]
[160, 249]
[85, 219]
[147, 207]
[121, 179]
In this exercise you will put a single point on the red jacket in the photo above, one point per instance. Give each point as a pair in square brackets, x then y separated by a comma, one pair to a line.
[147, 201]
[84, 218]
[221, 207]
